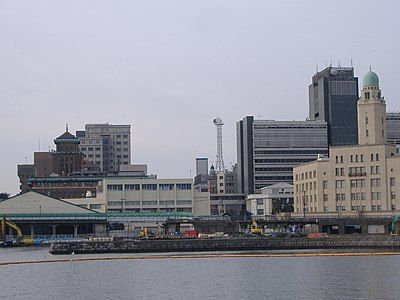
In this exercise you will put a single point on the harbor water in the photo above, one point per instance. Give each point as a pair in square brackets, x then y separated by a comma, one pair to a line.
[166, 277]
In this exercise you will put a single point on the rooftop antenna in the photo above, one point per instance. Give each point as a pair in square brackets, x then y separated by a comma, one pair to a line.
[351, 60]
[338, 63]
[39, 143]
[219, 164]
[331, 63]
[66, 127]
[326, 62]
[26, 160]
[316, 65]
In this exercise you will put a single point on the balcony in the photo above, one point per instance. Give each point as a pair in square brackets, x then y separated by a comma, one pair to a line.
[357, 174]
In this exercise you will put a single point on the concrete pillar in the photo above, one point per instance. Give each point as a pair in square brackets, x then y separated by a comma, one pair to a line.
[76, 230]
[54, 232]
[32, 227]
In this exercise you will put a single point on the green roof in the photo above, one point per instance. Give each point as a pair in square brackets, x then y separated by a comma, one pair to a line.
[371, 80]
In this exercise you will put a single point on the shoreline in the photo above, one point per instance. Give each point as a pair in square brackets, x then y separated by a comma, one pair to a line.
[200, 256]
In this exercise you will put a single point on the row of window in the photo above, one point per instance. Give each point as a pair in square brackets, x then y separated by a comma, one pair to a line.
[290, 152]
[306, 175]
[357, 158]
[149, 202]
[149, 187]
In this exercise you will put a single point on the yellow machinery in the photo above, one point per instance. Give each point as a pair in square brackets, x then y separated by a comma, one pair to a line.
[254, 228]
[14, 226]
[143, 233]
[20, 240]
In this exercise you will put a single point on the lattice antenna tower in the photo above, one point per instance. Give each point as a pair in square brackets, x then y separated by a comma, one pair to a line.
[219, 164]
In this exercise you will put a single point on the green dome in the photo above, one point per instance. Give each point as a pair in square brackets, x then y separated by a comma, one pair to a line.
[371, 80]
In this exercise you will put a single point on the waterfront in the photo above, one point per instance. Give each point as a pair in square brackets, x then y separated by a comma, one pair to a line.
[344, 277]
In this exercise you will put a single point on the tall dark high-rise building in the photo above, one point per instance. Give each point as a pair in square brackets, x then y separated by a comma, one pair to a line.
[267, 150]
[333, 97]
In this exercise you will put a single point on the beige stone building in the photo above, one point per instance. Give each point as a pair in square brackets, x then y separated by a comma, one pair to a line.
[141, 195]
[362, 178]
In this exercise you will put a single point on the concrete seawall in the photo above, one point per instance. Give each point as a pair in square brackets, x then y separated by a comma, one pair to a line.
[227, 244]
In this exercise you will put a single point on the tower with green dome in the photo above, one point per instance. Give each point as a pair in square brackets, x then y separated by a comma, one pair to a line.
[371, 112]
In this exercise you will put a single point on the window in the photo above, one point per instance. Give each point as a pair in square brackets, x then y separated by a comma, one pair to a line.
[166, 186]
[114, 187]
[392, 181]
[137, 203]
[372, 157]
[167, 202]
[375, 182]
[149, 187]
[339, 184]
[95, 206]
[183, 186]
[362, 158]
[377, 156]
[375, 196]
[260, 212]
[325, 197]
[183, 202]
[132, 187]
[375, 170]
[325, 184]
[149, 202]
[260, 202]
[392, 195]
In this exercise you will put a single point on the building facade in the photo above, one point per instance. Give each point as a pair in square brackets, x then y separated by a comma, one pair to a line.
[393, 128]
[133, 194]
[201, 166]
[67, 158]
[106, 146]
[65, 187]
[268, 150]
[360, 178]
[274, 199]
[64, 161]
[25, 172]
[333, 96]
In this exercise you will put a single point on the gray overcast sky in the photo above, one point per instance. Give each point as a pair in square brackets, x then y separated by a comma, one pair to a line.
[169, 67]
